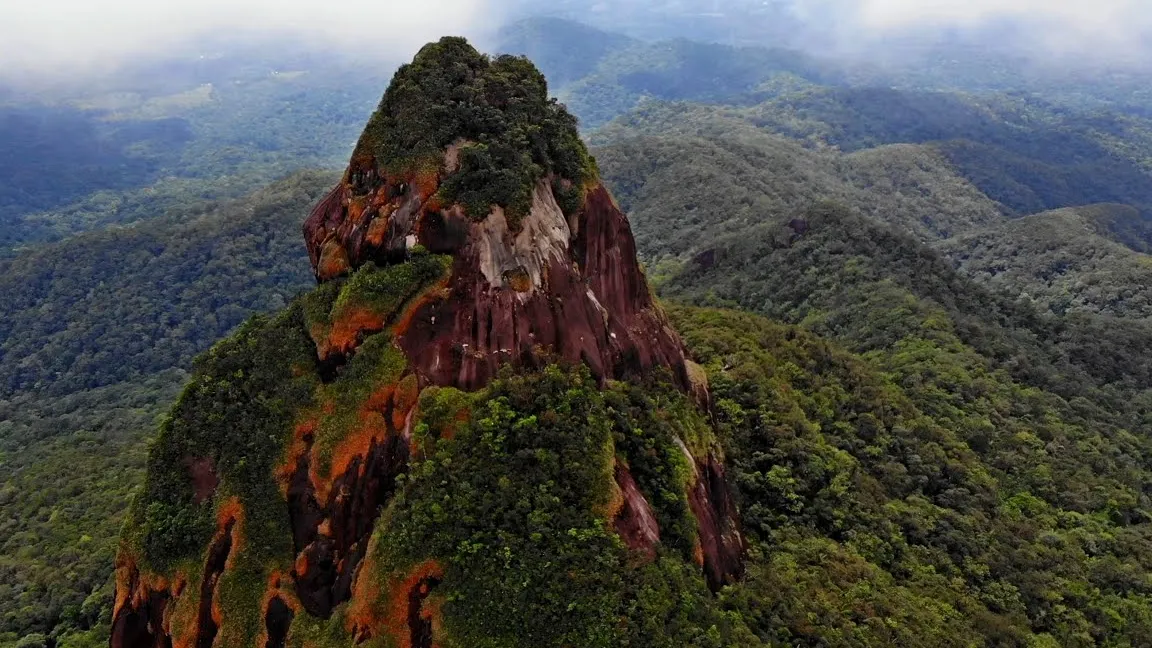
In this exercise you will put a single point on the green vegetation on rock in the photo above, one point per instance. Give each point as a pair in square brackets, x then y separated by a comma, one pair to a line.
[497, 111]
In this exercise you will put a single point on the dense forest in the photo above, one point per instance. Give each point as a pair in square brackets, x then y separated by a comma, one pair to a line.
[923, 311]
[98, 334]
[169, 135]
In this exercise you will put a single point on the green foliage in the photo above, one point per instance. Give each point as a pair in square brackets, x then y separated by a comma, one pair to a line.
[384, 290]
[1062, 261]
[510, 133]
[689, 175]
[911, 460]
[508, 503]
[512, 506]
[97, 336]
[972, 472]
[647, 421]
[57, 155]
[236, 413]
[122, 304]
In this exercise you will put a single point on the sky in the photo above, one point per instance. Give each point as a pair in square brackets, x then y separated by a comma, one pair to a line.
[1067, 24]
[56, 36]
[47, 37]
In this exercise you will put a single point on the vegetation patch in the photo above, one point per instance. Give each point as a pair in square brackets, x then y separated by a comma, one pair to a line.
[512, 134]
[238, 412]
[510, 498]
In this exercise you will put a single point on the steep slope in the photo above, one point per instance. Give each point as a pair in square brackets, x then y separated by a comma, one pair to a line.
[97, 336]
[360, 467]
[918, 496]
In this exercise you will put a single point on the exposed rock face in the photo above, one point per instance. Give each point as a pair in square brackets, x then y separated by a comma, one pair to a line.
[721, 544]
[551, 277]
[330, 539]
[551, 285]
[635, 522]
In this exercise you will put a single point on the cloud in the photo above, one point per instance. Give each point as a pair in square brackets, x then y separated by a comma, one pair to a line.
[1060, 24]
[74, 35]
[905, 12]
[1072, 33]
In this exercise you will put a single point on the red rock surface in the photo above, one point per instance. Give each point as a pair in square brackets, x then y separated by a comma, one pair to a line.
[721, 543]
[553, 286]
[635, 522]
[525, 290]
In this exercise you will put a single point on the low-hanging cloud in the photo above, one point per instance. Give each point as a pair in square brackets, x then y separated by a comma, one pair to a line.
[54, 37]
[1100, 28]
[903, 12]
[59, 36]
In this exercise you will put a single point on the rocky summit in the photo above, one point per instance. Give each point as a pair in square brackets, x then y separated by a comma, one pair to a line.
[478, 429]
[468, 158]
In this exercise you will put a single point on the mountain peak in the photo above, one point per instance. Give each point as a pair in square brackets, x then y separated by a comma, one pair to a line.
[490, 117]
[467, 157]
[470, 233]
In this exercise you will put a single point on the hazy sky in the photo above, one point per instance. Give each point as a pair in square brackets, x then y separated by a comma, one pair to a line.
[52, 35]
[1099, 28]
[1075, 12]
[55, 34]
[1089, 18]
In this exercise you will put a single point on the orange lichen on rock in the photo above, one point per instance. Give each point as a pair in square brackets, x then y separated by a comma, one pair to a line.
[437, 291]
[181, 617]
[378, 228]
[427, 183]
[302, 437]
[372, 428]
[278, 588]
[403, 594]
[347, 327]
[333, 261]
[231, 512]
[380, 398]
[365, 610]
[127, 579]
[356, 210]
[134, 587]
[616, 501]
[407, 395]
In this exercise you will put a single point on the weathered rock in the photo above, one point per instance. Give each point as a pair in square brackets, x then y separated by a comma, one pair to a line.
[635, 522]
[722, 545]
[550, 286]
[527, 286]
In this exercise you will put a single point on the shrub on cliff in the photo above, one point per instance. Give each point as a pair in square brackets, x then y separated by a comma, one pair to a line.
[511, 134]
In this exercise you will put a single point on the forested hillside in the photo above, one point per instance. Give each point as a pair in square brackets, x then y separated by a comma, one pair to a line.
[1065, 260]
[922, 303]
[1047, 414]
[1028, 151]
[97, 335]
[173, 133]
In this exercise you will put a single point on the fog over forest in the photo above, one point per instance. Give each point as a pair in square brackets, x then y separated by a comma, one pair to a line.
[74, 38]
